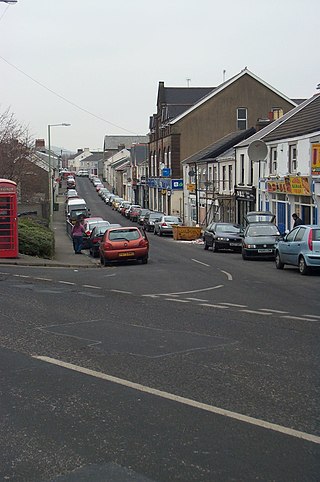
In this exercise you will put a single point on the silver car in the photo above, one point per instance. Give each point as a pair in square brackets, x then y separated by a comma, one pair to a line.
[163, 225]
[300, 247]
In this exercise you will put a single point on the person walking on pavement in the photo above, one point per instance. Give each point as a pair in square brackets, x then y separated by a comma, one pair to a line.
[297, 220]
[77, 234]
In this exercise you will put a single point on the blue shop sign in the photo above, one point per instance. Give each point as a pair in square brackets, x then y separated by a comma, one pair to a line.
[176, 184]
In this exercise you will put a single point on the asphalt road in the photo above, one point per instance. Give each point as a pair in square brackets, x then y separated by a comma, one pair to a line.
[198, 366]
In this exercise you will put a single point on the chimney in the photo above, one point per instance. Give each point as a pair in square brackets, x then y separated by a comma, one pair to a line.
[79, 151]
[261, 123]
[40, 145]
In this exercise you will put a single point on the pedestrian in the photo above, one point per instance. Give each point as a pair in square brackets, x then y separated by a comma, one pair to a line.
[297, 220]
[77, 235]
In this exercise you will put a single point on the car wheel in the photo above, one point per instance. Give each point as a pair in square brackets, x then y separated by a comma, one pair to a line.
[160, 233]
[154, 232]
[243, 255]
[214, 247]
[279, 263]
[101, 260]
[206, 246]
[144, 260]
[303, 268]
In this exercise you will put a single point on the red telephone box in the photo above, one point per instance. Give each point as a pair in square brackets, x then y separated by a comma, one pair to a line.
[9, 245]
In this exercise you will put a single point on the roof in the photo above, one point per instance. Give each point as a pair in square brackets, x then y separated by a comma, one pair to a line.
[303, 119]
[183, 95]
[226, 84]
[113, 142]
[219, 147]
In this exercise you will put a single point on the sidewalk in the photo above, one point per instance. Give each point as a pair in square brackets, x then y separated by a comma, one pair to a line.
[64, 253]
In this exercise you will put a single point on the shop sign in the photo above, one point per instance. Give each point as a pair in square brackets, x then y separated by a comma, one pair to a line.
[315, 163]
[245, 194]
[177, 184]
[191, 187]
[297, 185]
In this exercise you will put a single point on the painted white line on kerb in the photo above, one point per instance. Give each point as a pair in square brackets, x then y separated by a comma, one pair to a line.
[256, 312]
[93, 287]
[66, 283]
[121, 291]
[185, 401]
[229, 275]
[200, 262]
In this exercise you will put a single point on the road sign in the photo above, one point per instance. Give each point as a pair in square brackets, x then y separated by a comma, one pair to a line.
[166, 172]
[176, 184]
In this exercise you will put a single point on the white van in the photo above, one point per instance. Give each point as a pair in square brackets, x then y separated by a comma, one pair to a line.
[76, 207]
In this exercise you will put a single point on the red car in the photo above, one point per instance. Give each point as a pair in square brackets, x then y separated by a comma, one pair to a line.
[123, 244]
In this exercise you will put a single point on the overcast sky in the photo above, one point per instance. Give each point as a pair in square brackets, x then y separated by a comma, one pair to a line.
[107, 57]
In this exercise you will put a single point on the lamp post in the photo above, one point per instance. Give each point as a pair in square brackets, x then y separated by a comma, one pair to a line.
[64, 124]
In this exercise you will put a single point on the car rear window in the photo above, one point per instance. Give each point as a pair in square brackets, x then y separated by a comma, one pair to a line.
[316, 234]
[129, 235]
[172, 219]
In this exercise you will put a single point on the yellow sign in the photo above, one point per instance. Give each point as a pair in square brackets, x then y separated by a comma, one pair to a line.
[191, 187]
[297, 185]
[315, 161]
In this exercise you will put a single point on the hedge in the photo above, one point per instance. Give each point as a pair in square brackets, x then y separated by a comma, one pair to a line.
[35, 238]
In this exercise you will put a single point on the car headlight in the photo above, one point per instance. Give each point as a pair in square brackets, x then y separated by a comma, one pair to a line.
[221, 239]
[250, 246]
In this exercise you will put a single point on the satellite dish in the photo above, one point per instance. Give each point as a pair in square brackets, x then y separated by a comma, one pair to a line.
[257, 151]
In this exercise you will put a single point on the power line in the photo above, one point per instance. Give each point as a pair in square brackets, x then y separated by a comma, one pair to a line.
[65, 99]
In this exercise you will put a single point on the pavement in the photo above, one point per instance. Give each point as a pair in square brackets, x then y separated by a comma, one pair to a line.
[64, 254]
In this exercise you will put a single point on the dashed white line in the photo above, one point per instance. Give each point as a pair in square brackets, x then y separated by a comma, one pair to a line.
[21, 276]
[93, 287]
[185, 401]
[254, 312]
[178, 301]
[66, 283]
[200, 262]
[300, 318]
[121, 291]
[234, 305]
[312, 316]
[42, 279]
[274, 311]
[197, 299]
[214, 306]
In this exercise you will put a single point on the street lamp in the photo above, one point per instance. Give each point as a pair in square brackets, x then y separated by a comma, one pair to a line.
[63, 124]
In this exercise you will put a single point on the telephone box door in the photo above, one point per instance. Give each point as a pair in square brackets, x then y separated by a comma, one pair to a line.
[9, 245]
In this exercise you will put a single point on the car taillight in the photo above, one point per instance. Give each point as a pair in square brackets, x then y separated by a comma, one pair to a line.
[310, 240]
[88, 233]
[107, 245]
[163, 224]
[143, 243]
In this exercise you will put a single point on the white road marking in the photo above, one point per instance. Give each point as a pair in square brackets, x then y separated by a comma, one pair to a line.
[312, 316]
[214, 306]
[121, 291]
[152, 296]
[94, 287]
[21, 276]
[185, 401]
[233, 304]
[200, 262]
[178, 301]
[66, 282]
[256, 312]
[168, 294]
[229, 275]
[197, 299]
[273, 311]
[300, 318]
[43, 279]
[187, 292]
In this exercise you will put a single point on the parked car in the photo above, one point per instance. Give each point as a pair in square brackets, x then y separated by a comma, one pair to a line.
[96, 181]
[103, 191]
[71, 193]
[115, 202]
[223, 236]
[123, 244]
[149, 220]
[133, 212]
[109, 197]
[300, 247]
[89, 224]
[123, 206]
[163, 225]
[259, 240]
[71, 182]
[83, 173]
[96, 236]
[141, 215]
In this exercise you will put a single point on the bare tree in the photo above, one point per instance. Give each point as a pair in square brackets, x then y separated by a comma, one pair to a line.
[15, 147]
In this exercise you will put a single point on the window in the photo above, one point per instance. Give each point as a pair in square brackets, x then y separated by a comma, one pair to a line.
[273, 166]
[250, 180]
[169, 157]
[224, 181]
[300, 234]
[242, 118]
[230, 177]
[241, 168]
[292, 164]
